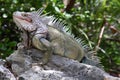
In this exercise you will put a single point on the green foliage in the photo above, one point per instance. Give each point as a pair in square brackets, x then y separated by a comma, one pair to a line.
[84, 20]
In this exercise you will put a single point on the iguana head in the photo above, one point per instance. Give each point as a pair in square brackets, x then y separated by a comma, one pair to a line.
[28, 21]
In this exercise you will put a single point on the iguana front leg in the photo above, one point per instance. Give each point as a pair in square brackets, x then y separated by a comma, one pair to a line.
[25, 41]
[44, 45]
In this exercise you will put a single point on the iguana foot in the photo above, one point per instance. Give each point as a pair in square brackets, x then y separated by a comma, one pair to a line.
[20, 46]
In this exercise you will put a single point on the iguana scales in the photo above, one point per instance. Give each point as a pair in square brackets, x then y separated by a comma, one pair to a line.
[46, 34]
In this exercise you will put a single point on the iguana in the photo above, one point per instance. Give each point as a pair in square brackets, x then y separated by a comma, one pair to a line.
[47, 34]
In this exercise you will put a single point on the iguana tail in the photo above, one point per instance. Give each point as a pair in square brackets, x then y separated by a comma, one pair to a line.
[91, 59]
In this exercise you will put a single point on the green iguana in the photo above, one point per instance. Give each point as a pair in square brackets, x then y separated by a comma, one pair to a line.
[46, 34]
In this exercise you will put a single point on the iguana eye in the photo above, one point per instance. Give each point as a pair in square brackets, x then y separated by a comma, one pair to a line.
[25, 15]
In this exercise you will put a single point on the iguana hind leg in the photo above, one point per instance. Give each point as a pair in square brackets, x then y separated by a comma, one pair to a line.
[44, 45]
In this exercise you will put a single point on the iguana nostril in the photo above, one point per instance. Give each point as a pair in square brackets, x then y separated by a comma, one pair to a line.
[15, 13]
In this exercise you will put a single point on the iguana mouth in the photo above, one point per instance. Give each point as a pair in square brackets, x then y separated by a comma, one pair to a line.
[21, 18]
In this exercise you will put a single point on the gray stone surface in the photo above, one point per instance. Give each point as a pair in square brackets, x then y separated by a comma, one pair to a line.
[19, 61]
[5, 74]
[26, 64]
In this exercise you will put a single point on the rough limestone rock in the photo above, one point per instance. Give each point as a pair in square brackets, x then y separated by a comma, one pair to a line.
[26, 65]
[5, 73]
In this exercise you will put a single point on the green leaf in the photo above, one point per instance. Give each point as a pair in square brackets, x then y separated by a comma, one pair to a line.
[12, 44]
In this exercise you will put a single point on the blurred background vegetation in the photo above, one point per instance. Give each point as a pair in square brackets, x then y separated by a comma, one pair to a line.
[97, 22]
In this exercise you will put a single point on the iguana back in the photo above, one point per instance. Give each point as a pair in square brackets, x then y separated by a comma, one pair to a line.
[65, 45]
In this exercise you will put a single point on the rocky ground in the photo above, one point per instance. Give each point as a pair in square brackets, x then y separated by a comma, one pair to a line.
[26, 65]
